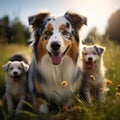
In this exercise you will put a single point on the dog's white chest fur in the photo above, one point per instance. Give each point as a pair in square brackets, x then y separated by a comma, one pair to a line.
[55, 75]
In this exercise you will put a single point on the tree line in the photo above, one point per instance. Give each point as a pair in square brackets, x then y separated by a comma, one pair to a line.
[13, 32]
[16, 32]
[112, 31]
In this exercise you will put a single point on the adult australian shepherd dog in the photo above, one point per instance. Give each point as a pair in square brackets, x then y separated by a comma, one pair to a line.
[54, 75]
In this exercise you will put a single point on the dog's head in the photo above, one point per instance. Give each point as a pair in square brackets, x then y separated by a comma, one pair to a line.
[56, 37]
[15, 69]
[92, 55]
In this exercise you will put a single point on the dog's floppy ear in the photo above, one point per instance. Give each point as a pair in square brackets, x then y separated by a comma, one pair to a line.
[37, 19]
[99, 49]
[77, 20]
[6, 66]
[25, 66]
[84, 49]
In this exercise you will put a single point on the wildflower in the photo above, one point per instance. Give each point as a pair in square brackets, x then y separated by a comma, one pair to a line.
[64, 83]
[92, 77]
[118, 94]
[118, 88]
[108, 82]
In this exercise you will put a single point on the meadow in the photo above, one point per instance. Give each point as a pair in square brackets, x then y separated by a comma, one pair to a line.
[110, 110]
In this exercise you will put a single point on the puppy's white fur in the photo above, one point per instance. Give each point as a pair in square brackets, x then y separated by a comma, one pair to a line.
[15, 83]
[94, 73]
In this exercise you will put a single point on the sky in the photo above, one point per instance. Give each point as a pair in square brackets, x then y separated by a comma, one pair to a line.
[97, 11]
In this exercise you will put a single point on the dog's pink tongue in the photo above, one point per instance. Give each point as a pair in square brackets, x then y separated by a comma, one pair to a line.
[56, 59]
[90, 65]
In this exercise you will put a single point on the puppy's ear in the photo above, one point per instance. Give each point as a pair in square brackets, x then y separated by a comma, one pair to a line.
[37, 19]
[77, 20]
[100, 50]
[84, 49]
[6, 66]
[25, 66]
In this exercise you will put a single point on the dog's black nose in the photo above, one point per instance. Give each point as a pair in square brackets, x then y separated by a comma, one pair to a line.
[15, 73]
[90, 59]
[55, 46]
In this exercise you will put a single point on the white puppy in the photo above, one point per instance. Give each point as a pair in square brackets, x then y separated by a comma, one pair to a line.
[93, 83]
[15, 83]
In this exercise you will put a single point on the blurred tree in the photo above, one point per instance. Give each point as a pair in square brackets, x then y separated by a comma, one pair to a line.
[17, 32]
[113, 28]
[13, 32]
[5, 32]
[93, 37]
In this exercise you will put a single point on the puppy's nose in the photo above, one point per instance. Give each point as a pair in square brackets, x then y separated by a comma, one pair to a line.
[90, 59]
[55, 46]
[15, 73]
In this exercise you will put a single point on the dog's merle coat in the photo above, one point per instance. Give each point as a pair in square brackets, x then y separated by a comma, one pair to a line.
[55, 57]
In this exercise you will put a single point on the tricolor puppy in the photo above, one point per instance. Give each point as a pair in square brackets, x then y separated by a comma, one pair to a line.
[55, 56]
[93, 83]
[15, 81]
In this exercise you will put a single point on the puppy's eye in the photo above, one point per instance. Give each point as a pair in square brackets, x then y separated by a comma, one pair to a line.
[94, 53]
[11, 68]
[19, 68]
[85, 53]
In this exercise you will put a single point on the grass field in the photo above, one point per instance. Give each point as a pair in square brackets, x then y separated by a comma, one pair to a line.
[108, 111]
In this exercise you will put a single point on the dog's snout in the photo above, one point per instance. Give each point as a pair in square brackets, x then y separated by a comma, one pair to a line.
[15, 73]
[55, 46]
[90, 59]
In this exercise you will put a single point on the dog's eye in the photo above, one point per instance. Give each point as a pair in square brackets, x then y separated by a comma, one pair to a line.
[48, 33]
[19, 68]
[67, 35]
[94, 53]
[64, 32]
[11, 68]
[85, 53]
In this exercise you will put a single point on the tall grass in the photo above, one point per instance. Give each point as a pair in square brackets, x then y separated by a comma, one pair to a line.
[107, 111]
[112, 63]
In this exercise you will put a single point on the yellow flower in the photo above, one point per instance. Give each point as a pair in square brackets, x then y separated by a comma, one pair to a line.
[118, 94]
[64, 83]
[118, 88]
[108, 82]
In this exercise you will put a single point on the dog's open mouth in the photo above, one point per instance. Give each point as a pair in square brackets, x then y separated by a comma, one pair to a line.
[56, 57]
[90, 64]
[16, 78]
